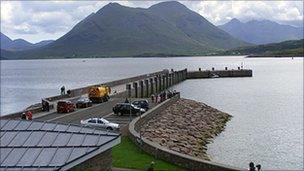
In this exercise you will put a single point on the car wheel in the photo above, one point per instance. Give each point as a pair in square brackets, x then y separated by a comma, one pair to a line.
[109, 128]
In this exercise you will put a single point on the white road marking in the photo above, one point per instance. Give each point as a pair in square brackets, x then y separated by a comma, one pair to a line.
[108, 115]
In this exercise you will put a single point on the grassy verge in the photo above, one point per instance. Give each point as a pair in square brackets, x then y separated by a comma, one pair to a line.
[128, 155]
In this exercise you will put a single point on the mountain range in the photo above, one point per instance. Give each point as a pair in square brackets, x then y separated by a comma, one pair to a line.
[20, 44]
[164, 29]
[262, 32]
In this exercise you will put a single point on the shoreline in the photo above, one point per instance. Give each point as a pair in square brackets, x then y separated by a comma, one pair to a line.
[186, 126]
[177, 56]
[257, 56]
[117, 57]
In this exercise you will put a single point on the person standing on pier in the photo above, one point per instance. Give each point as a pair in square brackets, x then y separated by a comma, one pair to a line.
[23, 116]
[251, 166]
[29, 115]
[62, 90]
[152, 98]
[158, 98]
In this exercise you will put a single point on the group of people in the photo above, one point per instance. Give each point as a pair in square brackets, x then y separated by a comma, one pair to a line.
[28, 115]
[252, 167]
[62, 91]
[163, 96]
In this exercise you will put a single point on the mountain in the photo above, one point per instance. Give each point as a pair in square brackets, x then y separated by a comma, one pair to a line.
[20, 44]
[5, 41]
[164, 29]
[262, 32]
[291, 48]
[43, 43]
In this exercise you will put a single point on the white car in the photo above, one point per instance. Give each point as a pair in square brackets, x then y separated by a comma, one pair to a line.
[100, 122]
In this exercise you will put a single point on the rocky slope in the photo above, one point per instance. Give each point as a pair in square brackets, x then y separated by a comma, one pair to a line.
[186, 127]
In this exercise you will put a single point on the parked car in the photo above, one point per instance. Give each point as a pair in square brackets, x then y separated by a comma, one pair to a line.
[65, 106]
[141, 104]
[126, 108]
[100, 122]
[83, 102]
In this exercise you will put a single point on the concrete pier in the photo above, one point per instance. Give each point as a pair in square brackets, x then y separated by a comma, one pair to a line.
[147, 88]
[135, 86]
[160, 83]
[164, 82]
[138, 87]
[170, 80]
[141, 87]
[220, 73]
[156, 84]
[129, 90]
[151, 86]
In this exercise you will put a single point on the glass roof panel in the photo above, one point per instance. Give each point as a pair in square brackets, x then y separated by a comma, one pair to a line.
[29, 157]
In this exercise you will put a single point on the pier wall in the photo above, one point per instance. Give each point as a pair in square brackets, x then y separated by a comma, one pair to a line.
[221, 73]
[143, 85]
[84, 90]
[154, 85]
[182, 160]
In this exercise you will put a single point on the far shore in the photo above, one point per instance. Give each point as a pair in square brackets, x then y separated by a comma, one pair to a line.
[177, 56]
[161, 56]
[261, 56]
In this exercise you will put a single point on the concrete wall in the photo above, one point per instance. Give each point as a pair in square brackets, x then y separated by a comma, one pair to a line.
[185, 161]
[155, 84]
[101, 162]
[221, 73]
[84, 90]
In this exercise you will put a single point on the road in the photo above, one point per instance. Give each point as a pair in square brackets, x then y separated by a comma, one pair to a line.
[97, 110]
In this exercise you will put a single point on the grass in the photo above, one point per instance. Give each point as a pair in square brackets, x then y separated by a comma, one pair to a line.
[128, 155]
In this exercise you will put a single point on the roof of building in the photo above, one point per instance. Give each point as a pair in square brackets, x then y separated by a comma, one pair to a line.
[31, 145]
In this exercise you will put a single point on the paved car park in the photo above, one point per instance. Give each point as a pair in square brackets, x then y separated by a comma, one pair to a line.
[103, 110]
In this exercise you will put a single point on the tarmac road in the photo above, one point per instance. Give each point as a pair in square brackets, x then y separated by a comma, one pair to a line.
[97, 110]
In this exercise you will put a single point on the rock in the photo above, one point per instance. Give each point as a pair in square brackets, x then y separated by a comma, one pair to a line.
[186, 127]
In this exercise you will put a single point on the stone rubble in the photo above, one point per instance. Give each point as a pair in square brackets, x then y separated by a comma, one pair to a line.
[186, 127]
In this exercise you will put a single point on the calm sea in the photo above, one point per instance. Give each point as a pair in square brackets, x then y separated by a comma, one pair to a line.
[267, 109]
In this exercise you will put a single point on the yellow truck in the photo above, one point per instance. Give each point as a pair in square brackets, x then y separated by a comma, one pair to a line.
[99, 94]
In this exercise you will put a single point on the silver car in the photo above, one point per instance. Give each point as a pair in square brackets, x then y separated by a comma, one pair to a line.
[100, 122]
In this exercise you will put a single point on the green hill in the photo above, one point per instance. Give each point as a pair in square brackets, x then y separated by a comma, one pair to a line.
[164, 29]
[291, 48]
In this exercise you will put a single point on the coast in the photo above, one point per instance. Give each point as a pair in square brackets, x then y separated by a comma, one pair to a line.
[186, 127]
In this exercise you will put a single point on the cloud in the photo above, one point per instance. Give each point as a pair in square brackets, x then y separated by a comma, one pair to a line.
[35, 20]
[220, 12]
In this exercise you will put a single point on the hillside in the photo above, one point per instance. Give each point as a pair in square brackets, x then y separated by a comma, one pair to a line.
[291, 48]
[262, 32]
[164, 29]
[20, 44]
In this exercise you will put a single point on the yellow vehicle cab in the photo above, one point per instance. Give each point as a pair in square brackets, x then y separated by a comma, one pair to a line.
[99, 94]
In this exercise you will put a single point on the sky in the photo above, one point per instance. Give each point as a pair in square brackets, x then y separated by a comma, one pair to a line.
[35, 21]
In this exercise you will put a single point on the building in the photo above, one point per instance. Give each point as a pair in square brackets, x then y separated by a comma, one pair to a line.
[31, 145]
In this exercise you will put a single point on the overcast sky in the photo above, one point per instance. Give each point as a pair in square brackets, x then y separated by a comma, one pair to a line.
[41, 20]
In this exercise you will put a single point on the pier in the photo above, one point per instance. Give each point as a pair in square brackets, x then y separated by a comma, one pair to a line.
[142, 86]
[138, 87]
[220, 73]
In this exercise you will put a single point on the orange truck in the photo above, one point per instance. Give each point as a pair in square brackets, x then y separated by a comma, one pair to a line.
[99, 94]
